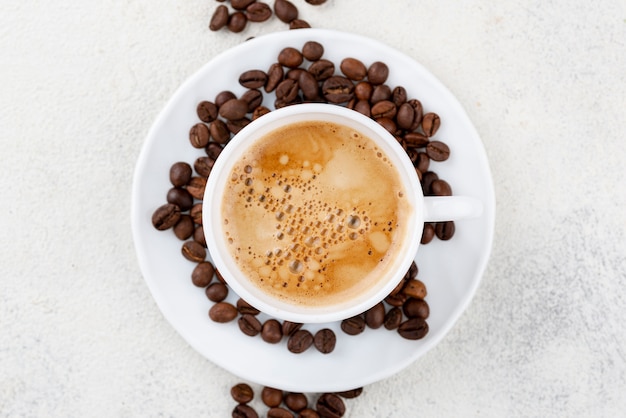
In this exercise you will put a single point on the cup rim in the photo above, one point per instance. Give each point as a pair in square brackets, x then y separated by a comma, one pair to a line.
[211, 213]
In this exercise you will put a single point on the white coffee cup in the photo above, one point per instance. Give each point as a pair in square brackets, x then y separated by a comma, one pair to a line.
[426, 209]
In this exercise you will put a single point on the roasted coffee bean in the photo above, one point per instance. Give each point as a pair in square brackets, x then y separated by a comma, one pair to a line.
[258, 12]
[440, 188]
[219, 18]
[198, 235]
[224, 96]
[234, 126]
[285, 10]
[254, 98]
[419, 174]
[322, 69]
[413, 329]
[275, 75]
[405, 116]
[271, 397]
[316, 2]
[413, 270]
[271, 332]
[242, 393]
[354, 325]
[219, 276]
[325, 340]
[241, 4]
[300, 341]
[202, 274]
[428, 233]
[444, 230]
[380, 93]
[427, 178]
[207, 111]
[350, 394]
[180, 173]
[353, 68]
[245, 308]
[413, 139]
[338, 89]
[388, 124]
[244, 411]
[216, 292]
[377, 73]
[294, 73]
[430, 124]
[223, 312]
[237, 22]
[312, 50]
[196, 213]
[290, 57]
[437, 151]
[166, 216]
[180, 197]
[396, 300]
[213, 150]
[384, 109]
[196, 187]
[393, 318]
[398, 287]
[363, 107]
[398, 96]
[330, 405]
[414, 288]
[295, 401]
[203, 165]
[421, 163]
[184, 228]
[199, 135]
[234, 109]
[363, 90]
[416, 308]
[375, 316]
[290, 328]
[299, 24]
[193, 251]
[308, 85]
[278, 412]
[249, 325]
[219, 131]
[287, 90]
[308, 413]
[253, 79]
[260, 111]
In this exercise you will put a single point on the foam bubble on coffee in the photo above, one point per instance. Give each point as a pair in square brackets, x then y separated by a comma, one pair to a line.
[314, 212]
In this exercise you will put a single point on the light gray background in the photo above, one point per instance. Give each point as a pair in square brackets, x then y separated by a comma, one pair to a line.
[543, 81]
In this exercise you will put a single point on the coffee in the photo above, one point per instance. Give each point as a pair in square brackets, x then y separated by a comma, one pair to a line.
[314, 213]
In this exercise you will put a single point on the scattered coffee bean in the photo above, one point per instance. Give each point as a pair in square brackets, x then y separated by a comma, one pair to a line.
[219, 18]
[219, 131]
[414, 288]
[193, 251]
[396, 300]
[224, 96]
[430, 124]
[285, 10]
[300, 341]
[196, 213]
[184, 227]
[271, 397]
[413, 329]
[295, 401]
[312, 50]
[299, 24]
[245, 308]
[253, 79]
[338, 89]
[380, 93]
[254, 98]
[207, 111]
[233, 109]
[375, 316]
[217, 292]
[322, 69]
[353, 68]
[244, 411]
[202, 274]
[399, 96]
[199, 135]
[180, 174]
[287, 90]
[203, 166]
[325, 340]
[196, 187]
[166, 216]
[242, 393]
[271, 332]
[316, 2]
[416, 308]
[354, 325]
[393, 318]
[290, 57]
[198, 235]
[258, 12]
[330, 405]
[213, 150]
[249, 325]
[377, 73]
[278, 412]
[237, 22]
[437, 151]
[241, 4]
[440, 188]
[308, 413]
[350, 394]
[444, 230]
[180, 197]
[223, 312]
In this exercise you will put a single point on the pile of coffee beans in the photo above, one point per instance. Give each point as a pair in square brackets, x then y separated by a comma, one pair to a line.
[283, 404]
[244, 11]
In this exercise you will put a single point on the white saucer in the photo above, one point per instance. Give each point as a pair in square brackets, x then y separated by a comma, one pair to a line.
[451, 270]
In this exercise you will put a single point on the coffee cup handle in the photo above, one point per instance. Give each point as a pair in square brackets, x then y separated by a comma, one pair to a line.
[451, 208]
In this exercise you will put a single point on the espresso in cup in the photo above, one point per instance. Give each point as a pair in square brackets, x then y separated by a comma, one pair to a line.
[314, 213]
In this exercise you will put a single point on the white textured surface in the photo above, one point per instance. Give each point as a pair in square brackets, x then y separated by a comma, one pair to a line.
[544, 83]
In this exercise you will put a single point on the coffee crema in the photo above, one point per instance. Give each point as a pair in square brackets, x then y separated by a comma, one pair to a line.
[315, 213]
